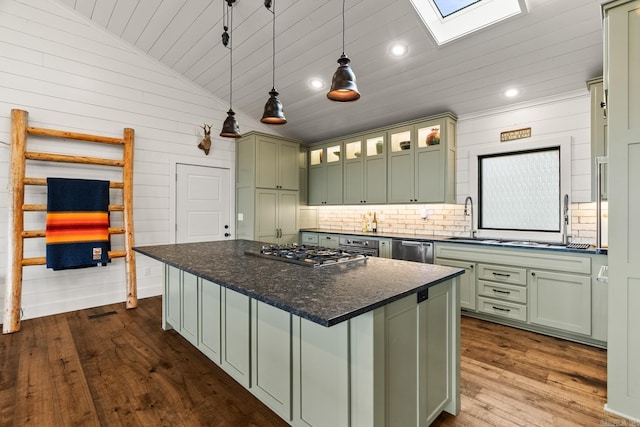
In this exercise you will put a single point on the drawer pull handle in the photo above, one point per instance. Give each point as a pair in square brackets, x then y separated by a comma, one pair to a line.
[500, 291]
[501, 274]
[501, 309]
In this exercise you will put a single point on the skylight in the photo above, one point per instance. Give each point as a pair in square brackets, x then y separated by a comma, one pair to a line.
[448, 20]
[447, 7]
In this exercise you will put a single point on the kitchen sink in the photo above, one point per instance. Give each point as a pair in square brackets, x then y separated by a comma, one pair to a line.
[476, 240]
[523, 243]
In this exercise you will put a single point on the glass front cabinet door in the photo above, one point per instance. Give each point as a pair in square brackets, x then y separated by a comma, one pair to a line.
[421, 164]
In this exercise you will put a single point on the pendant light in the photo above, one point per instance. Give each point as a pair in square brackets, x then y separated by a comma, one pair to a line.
[230, 128]
[273, 114]
[343, 84]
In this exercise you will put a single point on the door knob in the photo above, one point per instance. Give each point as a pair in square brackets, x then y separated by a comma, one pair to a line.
[227, 234]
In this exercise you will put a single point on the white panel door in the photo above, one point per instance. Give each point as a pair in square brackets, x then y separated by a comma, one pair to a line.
[202, 203]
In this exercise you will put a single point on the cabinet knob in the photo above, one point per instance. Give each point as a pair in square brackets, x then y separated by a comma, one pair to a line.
[226, 226]
[533, 273]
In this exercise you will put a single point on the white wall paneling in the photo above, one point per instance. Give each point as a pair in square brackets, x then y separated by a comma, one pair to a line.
[564, 115]
[70, 74]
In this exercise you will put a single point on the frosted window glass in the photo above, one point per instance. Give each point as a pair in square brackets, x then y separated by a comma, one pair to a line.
[520, 191]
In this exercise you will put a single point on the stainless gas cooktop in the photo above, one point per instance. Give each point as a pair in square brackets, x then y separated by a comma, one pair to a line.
[308, 255]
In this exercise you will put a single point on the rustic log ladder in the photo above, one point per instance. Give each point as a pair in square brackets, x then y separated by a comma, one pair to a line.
[17, 207]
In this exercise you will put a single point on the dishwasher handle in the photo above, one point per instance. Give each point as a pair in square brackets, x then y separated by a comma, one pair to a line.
[413, 243]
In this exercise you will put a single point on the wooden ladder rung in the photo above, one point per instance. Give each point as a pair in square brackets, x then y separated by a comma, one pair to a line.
[74, 135]
[34, 155]
[43, 181]
[43, 260]
[43, 208]
[42, 233]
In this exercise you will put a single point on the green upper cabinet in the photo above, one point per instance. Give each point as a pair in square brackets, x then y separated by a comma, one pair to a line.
[412, 162]
[325, 174]
[268, 162]
[599, 146]
[365, 169]
[267, 181]
[421, 161]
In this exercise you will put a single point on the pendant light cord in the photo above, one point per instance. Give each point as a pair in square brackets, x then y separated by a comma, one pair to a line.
[231, 59]
[343, 2]
[227, 23]
[273, 55]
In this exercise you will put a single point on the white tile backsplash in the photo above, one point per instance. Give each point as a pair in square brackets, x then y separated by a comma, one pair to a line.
[441, 220]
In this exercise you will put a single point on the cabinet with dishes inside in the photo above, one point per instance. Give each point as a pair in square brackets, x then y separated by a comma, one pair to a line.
[409, 162]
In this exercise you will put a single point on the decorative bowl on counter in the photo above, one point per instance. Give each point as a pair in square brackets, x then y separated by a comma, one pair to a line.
[405, 145]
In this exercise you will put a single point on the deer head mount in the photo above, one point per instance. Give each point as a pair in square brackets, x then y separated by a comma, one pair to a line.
[205, 144]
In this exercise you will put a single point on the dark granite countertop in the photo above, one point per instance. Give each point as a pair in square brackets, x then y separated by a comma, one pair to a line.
[503, 243]
[325, 295]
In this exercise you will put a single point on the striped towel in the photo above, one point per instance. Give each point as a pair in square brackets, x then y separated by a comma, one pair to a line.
[77, 223]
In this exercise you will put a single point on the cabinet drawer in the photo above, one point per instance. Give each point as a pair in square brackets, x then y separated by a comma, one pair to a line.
[505, 309]
[309, 238]
[503, 274]
[502, 291]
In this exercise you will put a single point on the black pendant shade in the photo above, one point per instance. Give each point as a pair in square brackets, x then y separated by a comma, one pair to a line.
[230, 128]
[273, 114]
[343, 84]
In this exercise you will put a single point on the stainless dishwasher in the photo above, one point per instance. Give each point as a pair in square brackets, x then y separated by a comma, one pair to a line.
[412, 250]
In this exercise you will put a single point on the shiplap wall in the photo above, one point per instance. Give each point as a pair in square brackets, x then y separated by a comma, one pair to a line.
[565, 115]
[71, 75]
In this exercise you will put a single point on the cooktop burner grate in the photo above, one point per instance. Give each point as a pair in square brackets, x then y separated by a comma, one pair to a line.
[308, 255]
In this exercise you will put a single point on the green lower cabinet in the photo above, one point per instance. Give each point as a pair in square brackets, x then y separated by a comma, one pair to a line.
[561, 301]
[236, 334]
[210, 320]
[271, 357]
[189, 322]
[172, 299]
[397, 365]
[320, 374]
[467, 282]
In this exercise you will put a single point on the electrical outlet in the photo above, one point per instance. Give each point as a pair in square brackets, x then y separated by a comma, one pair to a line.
[146, 272]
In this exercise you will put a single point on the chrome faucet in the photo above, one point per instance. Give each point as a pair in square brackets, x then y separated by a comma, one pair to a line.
[565, 222]
[469, 201]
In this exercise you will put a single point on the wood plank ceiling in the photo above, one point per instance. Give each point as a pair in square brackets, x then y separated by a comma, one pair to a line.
[553, 49]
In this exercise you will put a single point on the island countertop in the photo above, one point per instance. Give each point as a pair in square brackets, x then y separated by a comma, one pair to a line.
[325, 295]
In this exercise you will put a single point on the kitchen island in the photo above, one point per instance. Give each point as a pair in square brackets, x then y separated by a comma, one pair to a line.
[367, 343]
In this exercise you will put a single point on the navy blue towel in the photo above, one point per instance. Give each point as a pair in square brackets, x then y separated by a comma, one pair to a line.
[77, 223]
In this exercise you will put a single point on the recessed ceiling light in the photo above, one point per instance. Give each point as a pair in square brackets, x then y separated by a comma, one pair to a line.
[398, 49]
[510, 93]
[316, 83]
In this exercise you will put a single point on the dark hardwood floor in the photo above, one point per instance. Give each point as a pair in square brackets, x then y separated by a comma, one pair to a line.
[109, 366]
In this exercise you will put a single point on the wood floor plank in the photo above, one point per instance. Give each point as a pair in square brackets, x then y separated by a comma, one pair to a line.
[74, 403]
[110, 366]
[10, 347]
[35, 392]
